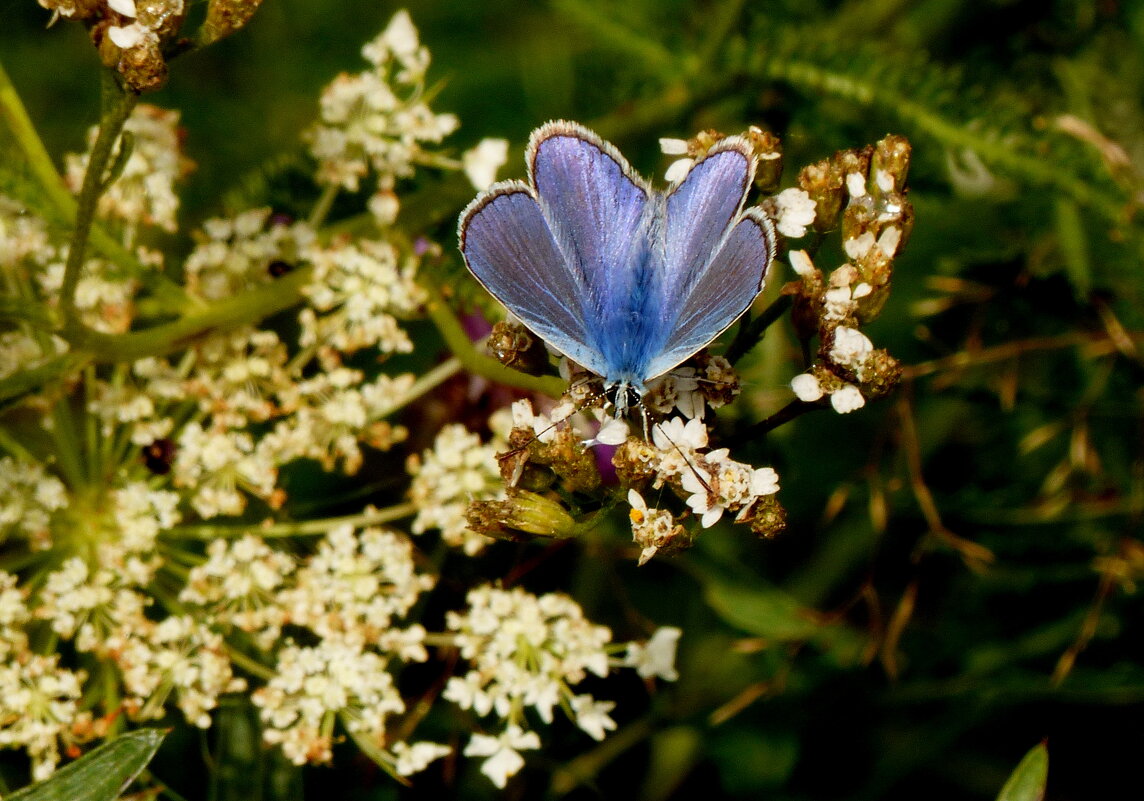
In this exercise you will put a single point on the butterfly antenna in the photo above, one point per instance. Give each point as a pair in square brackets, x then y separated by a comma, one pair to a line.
[538, 434]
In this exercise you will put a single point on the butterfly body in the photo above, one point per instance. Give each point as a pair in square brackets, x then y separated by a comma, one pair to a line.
[623, 279]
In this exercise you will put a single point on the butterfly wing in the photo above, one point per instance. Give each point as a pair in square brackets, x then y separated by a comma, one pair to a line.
[510, 249]
[715, 255]
[557, 253]
[597, 208]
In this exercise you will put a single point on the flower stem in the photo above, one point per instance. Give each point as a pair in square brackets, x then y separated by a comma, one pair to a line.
[478, 364]
[300, 529]
[117, 106]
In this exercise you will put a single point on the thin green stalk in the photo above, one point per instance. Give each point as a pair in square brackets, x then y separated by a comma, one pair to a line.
[251, 666]
[243, 309]
[19, 124]
[426, 383]
[117, 106]
[321, 208]
[304, 528]
[476, 363]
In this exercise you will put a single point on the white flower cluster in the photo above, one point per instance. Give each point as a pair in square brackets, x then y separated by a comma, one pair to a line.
[239, 585]
[38, 702]
[235, 253]
[377, 120]
[526, 651]
[356, 586]
[331, 414]
[356, 291]
[144, 193]
[842, 297]
[28, 497]
[350, 595]
[217, 466]
[178, 656]
[713, 482]
[456, 470]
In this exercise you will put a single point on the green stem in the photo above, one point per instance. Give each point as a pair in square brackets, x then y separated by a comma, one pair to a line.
[426, 383]
[322, 207]
[299, 529]
[476, 363]
[19, 124]
[751, 332]
[117, 106]
[244, 309]
[251, 666]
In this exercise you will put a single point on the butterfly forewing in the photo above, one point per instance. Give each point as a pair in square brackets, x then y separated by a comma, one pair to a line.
[509, 247]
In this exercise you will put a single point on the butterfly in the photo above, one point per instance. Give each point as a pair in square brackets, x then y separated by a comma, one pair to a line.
[623, 279]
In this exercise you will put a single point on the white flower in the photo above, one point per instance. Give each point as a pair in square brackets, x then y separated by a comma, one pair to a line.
[847, 399]
[416, 757]
[703, 500]
[859, 246]
[800, 262]
[851, 347]
[678, 170]
[124, 7]
[673, 147]
[764, 481]
[885, 180]
[482, 162]
[856, 184]
[613, 431]
[889, 241]
[457, 470]
[128, 36]
[503, 760]
[656, 657]
[806, 387]
[795, 211]
[592, 716]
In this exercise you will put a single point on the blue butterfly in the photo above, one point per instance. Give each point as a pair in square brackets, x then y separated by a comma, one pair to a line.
[623, 279]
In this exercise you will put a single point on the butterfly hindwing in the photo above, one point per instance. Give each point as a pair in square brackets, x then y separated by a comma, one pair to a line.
[713, 265]
[723, 290]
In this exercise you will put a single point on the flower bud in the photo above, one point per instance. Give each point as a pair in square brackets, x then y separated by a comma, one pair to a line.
[824, 182]
[520, 515]
[769, 158]
[890, 163]
[514, 346]
[224, 17]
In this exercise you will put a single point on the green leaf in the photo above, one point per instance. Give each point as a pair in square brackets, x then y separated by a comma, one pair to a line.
[101, 775]
[766, 611]
[1027, 782]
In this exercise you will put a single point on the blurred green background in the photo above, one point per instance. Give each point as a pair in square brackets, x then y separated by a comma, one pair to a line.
[921, 673]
